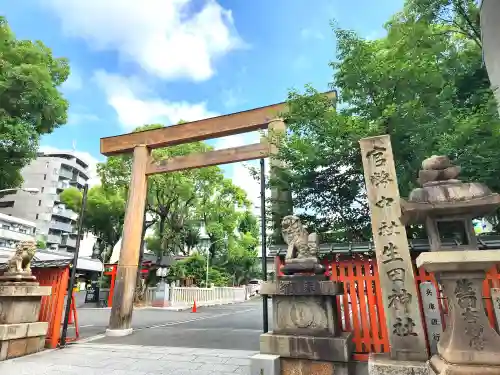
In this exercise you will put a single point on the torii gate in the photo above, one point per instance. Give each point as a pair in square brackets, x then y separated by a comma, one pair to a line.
[140, 145]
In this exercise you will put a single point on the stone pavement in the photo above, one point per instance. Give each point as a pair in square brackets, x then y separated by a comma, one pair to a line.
[93, 359]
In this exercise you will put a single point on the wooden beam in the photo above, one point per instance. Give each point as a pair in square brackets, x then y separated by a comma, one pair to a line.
[210, 158]
[215, 127]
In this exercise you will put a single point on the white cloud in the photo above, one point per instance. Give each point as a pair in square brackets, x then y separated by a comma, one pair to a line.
[85, 156]
[239, 172]
[165, 37]
[310, 34]
[135, 105]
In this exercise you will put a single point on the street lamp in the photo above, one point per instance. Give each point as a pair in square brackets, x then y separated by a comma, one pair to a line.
[27, 190]
[205, 242]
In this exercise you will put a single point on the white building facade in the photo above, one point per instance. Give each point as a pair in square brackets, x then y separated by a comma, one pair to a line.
[14, 230]
[50, 173]
[490, 30]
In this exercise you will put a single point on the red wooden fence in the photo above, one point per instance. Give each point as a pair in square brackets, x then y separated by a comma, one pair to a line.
[360, 309]
[52, 307]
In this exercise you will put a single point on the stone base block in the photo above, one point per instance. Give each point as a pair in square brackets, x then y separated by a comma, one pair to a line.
[17, 331]
[334, 349]
[381, 364]
[119, 332]
[21, 347]
[265, 364]
[21, 303]
[17, 340]
[439, 366]
[293, 366]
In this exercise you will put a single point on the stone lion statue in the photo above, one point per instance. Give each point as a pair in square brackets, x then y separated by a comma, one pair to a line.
[301, 244]
[20, 262]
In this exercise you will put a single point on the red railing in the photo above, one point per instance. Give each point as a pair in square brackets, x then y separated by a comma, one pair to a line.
[360, 308]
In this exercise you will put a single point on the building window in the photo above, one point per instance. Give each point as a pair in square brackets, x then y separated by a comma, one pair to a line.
[42, 189]
[46, 164]
[44, 177]
[39, 202]
[36, 217]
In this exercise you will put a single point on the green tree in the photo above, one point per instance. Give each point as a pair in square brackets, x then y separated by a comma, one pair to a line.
[41, 244]
[180, 202]
[104, 216]
[221, 208]
[30, 103]
[423, 84]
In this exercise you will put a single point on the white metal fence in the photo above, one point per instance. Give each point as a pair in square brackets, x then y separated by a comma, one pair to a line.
[182, 296]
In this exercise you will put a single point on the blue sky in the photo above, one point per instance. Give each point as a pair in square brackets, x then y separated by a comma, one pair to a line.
[157, 61]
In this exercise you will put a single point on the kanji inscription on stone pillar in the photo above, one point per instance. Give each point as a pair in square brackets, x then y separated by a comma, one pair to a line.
[399, 292]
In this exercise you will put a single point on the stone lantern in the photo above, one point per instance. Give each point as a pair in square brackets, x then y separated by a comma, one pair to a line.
[445, 204]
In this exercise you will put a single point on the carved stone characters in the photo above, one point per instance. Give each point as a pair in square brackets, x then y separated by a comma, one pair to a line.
[301, 244]
[20, 262]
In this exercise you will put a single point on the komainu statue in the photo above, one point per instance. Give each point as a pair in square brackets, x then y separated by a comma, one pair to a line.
[20, 262]
[302, 251]
[301, 244]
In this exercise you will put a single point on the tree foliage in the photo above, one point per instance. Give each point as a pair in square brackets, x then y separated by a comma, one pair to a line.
[103, 216]
[423, 84]
[30, 103]
[181, 203]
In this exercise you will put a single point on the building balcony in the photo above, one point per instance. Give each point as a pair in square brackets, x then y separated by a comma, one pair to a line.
[80, 180]
[15, 235]
[65, 227]
[52, 238]
[65, 173]
[63, 185]
[68, 241]
[64, 212]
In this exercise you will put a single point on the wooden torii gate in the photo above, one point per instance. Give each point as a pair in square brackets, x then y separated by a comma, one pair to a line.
[140, 145]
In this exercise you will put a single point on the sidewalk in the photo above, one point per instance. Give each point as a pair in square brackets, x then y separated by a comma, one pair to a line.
[94, 359]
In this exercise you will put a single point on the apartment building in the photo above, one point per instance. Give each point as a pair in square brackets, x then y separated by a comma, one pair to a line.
[12, 231]
[51, 173]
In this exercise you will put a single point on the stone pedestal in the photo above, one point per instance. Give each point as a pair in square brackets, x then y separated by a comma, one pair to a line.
[161, 297]
[382, 364]
[306, 333]
[469, 345]
[20, 331]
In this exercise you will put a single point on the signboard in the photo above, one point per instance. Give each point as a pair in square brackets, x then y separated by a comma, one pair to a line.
[432, 314]
[92, 295]
[399, 292]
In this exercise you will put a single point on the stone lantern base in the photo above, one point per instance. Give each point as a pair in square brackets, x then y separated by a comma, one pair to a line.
[469, 345]
[306, 335]
[20, 331]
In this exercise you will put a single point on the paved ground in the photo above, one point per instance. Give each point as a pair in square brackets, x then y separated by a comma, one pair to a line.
[92, 359]
[235, 326]
[216, 340]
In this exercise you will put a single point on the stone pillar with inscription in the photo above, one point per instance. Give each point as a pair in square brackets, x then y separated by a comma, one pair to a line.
[446, 205]
[306, 332]
[399, 292]
[20, 300]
